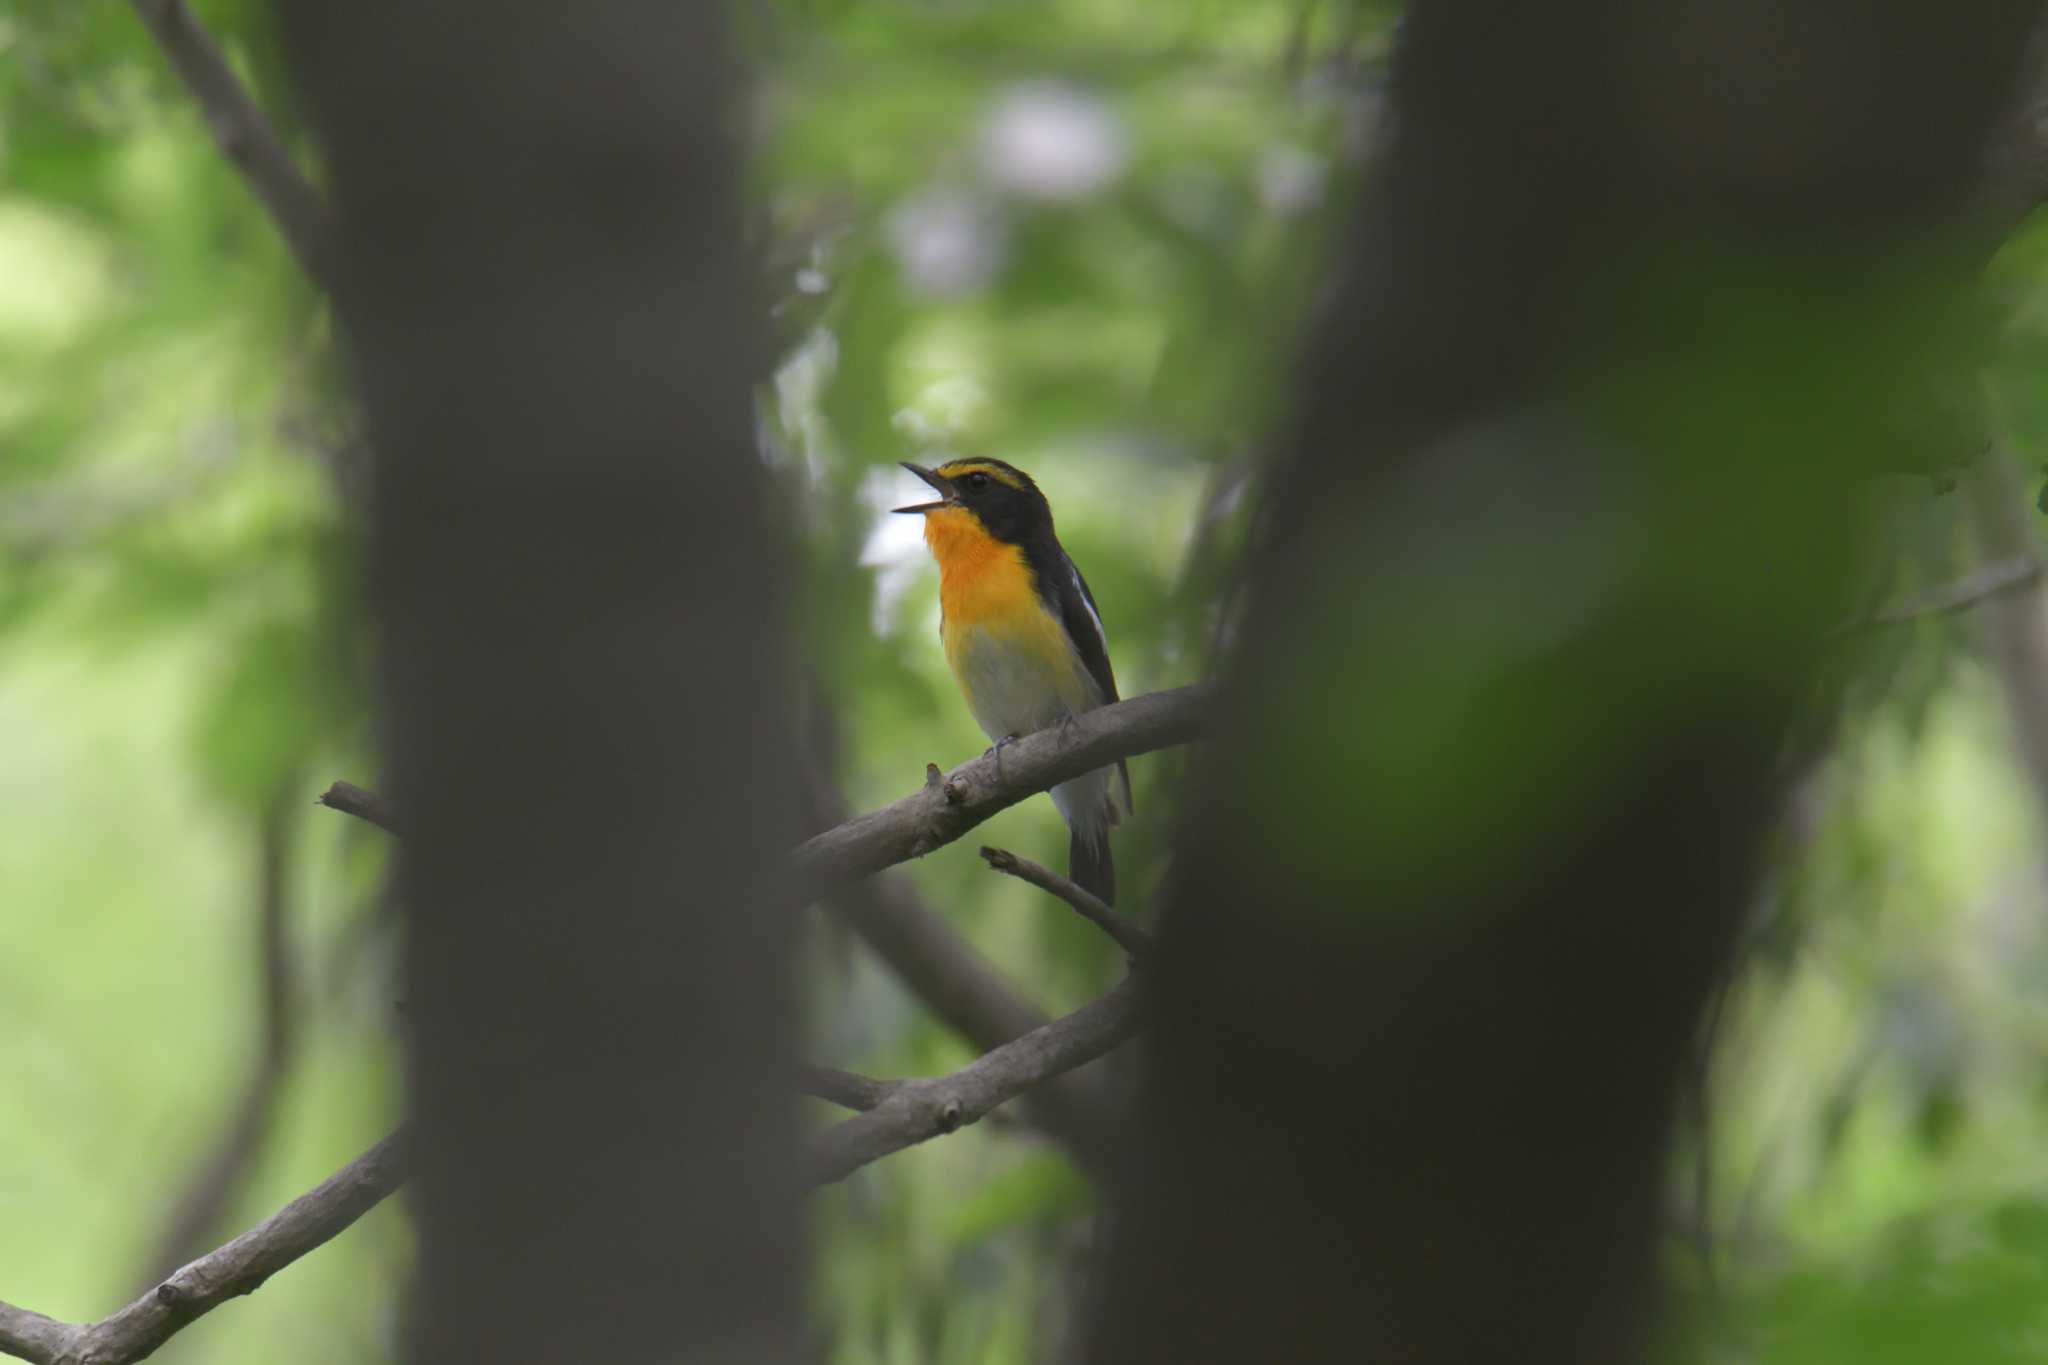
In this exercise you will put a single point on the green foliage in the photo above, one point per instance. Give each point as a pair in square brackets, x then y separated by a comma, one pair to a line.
[1077, 235]
[179, 640]
[1121, 333]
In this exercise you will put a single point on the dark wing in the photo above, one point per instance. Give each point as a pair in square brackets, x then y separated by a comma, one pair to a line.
[1084, 627]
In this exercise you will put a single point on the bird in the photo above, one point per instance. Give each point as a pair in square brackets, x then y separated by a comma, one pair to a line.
[1023, 635]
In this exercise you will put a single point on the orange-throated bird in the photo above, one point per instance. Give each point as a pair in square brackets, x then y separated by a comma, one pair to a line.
[1022, 633]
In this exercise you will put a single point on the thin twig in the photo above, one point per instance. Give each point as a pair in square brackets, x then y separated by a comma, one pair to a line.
[1135, 939]
[950, 804]
[918, 1110]
[1993, 581]
[843, 1088]
[350, 799]
[244, 135]
[239, 1267]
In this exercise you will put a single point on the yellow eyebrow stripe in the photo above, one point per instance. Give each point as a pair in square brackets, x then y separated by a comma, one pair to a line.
[959, 467]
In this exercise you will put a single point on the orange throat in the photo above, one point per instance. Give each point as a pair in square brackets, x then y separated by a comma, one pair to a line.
[981, 579]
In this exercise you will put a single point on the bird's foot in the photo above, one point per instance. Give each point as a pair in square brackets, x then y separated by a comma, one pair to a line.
[997, 749]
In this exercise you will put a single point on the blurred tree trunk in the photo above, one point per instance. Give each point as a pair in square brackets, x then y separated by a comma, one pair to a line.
[1638, 296]
[581, 615]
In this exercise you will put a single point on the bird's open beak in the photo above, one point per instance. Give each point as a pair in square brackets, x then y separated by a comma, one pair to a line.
[944, 487]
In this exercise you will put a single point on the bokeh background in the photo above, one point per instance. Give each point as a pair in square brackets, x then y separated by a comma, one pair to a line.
[1077, 235]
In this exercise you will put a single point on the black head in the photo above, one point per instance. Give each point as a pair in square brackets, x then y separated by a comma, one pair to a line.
[1001, 496]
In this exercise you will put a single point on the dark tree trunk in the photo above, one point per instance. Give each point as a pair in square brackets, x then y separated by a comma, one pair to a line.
[581, 625]
[1638, 297]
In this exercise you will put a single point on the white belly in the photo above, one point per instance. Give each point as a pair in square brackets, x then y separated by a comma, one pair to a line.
[1014, 690]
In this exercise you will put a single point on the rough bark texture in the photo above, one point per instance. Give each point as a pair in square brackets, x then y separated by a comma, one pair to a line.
[1637, 295]
[581, 622]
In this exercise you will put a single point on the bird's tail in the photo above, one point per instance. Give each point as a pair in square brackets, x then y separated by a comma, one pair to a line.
[1086, 806]
[1089, 863]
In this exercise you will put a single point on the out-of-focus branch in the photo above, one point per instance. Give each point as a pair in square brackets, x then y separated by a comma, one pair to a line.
[938, 965]
[918, 1110]
[199, 1211]
[953, 980]
[244, 135]
[1133, 938]
[1950, 598]
[950, 804]
[239, 1267]
[2016, 620]
[969, 996]
[350, 799]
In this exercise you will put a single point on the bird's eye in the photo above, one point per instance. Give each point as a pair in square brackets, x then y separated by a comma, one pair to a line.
[977, 481]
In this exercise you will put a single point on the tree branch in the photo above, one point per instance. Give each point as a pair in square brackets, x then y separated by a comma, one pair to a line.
[918, 1110]
[2016, 623]
[350, 799]
[244, 135]
[942, 968]
[956, 982]
[31, 1336]
[843, 1088]
[239, 1267]
[1134, 938]
[898, 1114]
[1971, 591]
[951, 804]
[938, 965]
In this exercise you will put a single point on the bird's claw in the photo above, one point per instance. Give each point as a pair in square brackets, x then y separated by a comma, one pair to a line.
[997, 749]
